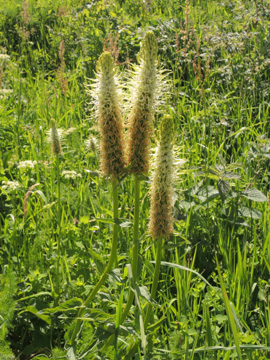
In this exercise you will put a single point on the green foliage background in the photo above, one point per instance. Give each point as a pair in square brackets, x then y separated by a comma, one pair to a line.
[218, 57]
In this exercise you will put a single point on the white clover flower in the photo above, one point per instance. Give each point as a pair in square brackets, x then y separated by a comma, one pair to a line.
[71, 174]
[27, 164]
[11, 185]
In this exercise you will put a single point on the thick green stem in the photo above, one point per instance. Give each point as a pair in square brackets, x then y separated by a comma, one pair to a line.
[155, 281]
[59, 230]
[136, 245]
[133, 350]
[108, 268]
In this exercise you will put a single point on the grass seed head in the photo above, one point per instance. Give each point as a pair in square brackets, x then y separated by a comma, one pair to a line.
[55, 139]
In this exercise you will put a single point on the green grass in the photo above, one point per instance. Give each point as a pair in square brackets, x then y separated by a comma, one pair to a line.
[215, 304]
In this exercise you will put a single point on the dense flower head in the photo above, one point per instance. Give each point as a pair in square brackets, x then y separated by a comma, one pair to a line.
[109, 116]
[71, 174]
[161, 220]
[149, 49]
[143, 106]
[26, 164]
[11, 186]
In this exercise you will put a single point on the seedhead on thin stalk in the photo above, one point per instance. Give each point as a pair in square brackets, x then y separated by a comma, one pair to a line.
[145, 84]
[109, 116]
[55, 139]
[161, 220]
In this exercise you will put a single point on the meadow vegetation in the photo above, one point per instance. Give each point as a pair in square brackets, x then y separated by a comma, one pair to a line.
[60, 216]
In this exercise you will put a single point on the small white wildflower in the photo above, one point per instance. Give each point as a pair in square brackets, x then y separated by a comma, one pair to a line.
[11, 185]
[45, 163]
[69, 130]
[4, 57]
[188, 249]
[71, 174]
[27, 164]
[5, 92]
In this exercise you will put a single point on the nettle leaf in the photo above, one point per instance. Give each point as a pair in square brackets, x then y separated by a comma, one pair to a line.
[207, 193]
[230, 175]
[186, 205]
[249, 212]
[224, 188]
[254, 194]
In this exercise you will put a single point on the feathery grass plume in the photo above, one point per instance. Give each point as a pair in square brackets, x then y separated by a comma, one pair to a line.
[109, 116]
[161, 220]
[55, 139]
[142, 108]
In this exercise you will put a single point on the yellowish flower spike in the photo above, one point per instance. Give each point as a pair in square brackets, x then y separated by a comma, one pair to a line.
[161, 219]
[109, 117]
[143, 106]
[55, 139]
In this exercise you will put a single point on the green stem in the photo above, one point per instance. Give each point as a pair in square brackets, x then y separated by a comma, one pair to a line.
[108, 268]
[155, 281]
[136, 246]
[59, 231]
[134, 348]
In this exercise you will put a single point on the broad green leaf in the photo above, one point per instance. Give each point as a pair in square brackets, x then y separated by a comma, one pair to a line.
[207, 193]
[223, 188]
[221, 318]
[254, 194]
[249, 212]
[37, 313]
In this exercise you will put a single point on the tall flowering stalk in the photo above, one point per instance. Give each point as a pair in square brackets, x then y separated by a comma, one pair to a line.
[144, 97]
[55, 139]
[161, 219]
[112, 158]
